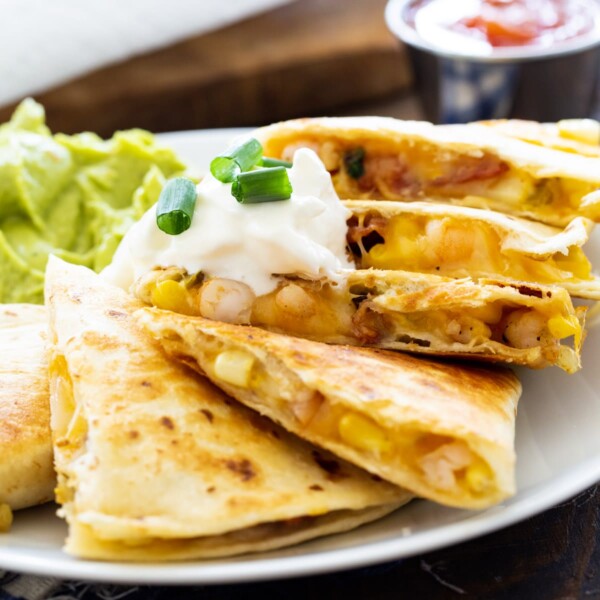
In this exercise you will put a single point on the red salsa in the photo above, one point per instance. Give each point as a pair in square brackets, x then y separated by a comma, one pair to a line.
[506, 23]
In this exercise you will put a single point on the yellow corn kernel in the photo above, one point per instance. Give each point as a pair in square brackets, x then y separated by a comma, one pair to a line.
[234, 366]
[478, 477]
[581, 130]
[6, 518]
[561, 327]
[171, 295]
[362, 433]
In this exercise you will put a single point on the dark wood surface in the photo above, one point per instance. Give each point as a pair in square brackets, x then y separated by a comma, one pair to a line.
[306, 58]
[337, 58]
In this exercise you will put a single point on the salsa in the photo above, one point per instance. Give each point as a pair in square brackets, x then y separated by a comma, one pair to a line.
[504, 23]
[521, 22]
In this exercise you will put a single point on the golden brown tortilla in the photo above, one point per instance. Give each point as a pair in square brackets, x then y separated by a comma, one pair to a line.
[443, 431]
[155, 463]
[457, 241]
[483, 319]
[26, 472]
[468, 165]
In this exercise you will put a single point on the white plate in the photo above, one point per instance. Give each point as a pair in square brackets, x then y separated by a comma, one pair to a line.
[558, 448]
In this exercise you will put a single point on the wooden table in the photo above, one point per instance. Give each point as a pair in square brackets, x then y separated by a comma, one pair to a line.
[336, 58]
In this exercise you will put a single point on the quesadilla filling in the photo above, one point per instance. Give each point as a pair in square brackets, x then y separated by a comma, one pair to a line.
[69, 424]
[407, 170]
[442, 462]
[520, 324]
[455, 247]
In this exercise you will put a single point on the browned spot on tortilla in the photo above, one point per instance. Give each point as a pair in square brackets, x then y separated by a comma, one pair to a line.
[167, 422]
[133, 434]
[315, 487]
[211, 489]
[146, 384]
[209, 416]
[242, 467]
[330, 466]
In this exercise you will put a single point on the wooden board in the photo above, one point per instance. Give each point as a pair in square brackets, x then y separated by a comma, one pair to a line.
[306, 58]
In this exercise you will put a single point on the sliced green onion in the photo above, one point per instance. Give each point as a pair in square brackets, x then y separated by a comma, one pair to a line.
[262, 185]
[354, 162]
[175, 207]
[275, 162]
[236, 160]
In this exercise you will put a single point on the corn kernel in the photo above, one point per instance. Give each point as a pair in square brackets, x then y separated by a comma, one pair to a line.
[171, 295]
[364, 434]
[561, 327]
[478, 477]
[234, 366]
[581, 130]
[6, 517]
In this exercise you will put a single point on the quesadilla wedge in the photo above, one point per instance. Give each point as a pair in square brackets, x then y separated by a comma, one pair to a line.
[386, 159]
[456, 241]
[155, 463]
[485, 319]
[26, 472]
[443, 431]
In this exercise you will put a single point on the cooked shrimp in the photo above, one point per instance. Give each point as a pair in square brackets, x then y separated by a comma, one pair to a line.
[226, 300]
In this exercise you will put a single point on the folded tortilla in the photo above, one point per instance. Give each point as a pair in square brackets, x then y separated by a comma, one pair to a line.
[484, 319]
[26, 471]
[457, 241]
[469, 165]
[578, 136]
[443, 431]
[155, 463]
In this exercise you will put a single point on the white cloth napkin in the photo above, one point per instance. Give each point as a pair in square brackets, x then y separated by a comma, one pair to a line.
[46, 42]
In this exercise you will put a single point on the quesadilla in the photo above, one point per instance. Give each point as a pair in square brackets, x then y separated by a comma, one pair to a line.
[456, 241]
[470, 165]
[443, 431]
[26, 472]
[486, 319]
[155, 463]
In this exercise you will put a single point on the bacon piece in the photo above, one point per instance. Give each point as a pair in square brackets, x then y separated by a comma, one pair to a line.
[472, 169]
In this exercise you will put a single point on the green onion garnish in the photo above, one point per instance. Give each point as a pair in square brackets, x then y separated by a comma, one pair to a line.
[275, 162]
[354, 162]
[236, 160]
[175, 207]
[262, 185]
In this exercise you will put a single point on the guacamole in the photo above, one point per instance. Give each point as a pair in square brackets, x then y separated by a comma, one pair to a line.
[73, 196]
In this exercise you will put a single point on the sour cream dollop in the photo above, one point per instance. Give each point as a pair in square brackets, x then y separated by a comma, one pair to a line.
[305, 235]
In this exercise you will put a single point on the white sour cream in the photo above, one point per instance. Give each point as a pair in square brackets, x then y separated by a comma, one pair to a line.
[305, 235]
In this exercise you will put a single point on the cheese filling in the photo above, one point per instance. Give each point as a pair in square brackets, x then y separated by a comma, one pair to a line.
[409, 171]
[359, 315]
[439, 461]
[455, 248]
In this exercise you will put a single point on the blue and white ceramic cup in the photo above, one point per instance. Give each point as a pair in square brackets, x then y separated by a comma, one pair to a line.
[527, 82]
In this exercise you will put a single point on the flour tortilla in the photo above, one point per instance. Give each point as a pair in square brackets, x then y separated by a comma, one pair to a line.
[512, 239]
[26, 472]
[469, 165]
[155, 463]
[443, 431]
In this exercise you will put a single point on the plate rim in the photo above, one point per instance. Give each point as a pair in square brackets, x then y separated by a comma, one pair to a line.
[541, 497]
